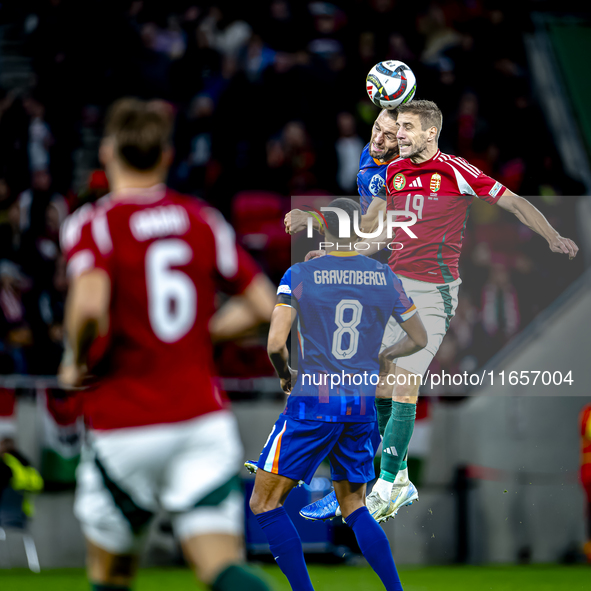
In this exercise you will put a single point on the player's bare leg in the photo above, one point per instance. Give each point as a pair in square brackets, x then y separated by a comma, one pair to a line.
[407, 386]
[351, 496]
[266, 502]
[210, 554]
[372, 540]
[217, 560]
[385, 387]
[105, 568]
[270, 491]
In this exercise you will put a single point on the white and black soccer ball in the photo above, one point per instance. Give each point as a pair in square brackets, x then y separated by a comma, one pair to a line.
[390, 84]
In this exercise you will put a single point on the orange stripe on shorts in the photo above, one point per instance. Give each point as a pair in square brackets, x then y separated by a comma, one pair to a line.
[275, 468]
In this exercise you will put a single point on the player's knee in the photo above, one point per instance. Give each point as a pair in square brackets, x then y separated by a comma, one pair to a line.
[258, 504]
[254, 504]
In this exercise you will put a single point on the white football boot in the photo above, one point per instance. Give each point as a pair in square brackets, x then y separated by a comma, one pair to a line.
[377, 506]
[404, 493]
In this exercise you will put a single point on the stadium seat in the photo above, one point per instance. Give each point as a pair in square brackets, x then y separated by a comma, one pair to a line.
[257, 217]
[252, 210]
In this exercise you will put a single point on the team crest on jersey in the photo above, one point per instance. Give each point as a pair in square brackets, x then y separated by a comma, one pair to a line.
[376, 184]
[399, 181]
[435, 183]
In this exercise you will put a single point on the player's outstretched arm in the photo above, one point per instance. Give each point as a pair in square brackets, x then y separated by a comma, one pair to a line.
[535, 220]
[376, 209]
[242, 313]
[86, 317]
[281, 321]
[414, 340]
[296, 220]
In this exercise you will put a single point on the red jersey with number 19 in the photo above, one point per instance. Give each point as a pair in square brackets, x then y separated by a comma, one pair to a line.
[440, 192]
[166, 255]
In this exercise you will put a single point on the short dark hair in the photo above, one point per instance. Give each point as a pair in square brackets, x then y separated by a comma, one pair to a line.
[349, 206]
[393, 113]
[429, 113]
[141, 131]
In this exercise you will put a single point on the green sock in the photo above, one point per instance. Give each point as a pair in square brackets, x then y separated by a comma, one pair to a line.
[384, 408]
[404, 463]
[396, 438]
[239, 577]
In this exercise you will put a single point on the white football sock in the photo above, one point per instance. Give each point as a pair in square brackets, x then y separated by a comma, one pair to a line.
[383, 488]
[401, 477]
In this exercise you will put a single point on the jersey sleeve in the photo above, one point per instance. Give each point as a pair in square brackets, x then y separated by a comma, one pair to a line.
[284, 294]
[234, 267]
[85, 241]
[404, 307]
[485, 187]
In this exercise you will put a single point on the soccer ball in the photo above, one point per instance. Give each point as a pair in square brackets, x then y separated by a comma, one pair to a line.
[390, 84]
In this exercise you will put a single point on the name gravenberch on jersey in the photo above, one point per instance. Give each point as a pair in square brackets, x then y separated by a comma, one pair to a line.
[350, 277]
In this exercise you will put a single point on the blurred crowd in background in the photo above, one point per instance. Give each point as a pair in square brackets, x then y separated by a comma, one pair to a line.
[271, 103]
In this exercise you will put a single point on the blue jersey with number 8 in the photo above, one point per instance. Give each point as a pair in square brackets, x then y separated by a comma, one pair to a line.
[343, 301]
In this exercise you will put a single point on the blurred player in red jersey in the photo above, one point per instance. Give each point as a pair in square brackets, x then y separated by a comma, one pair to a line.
[145, 264]
[586, 470]
[438, 189]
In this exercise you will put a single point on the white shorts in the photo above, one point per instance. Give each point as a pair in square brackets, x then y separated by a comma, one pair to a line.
[436, 304]
[188, 469]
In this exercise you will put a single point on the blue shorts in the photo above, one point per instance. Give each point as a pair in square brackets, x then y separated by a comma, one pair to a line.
[295, 448]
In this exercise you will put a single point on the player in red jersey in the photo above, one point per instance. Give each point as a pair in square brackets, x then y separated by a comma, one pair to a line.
[144, 265]
[438, 189]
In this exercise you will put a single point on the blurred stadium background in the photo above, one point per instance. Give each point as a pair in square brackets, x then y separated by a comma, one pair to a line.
[271, 103]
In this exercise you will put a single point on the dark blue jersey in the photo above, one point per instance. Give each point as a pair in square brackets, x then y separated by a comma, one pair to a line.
[371, 184]
[343, 301]
[371, 179]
